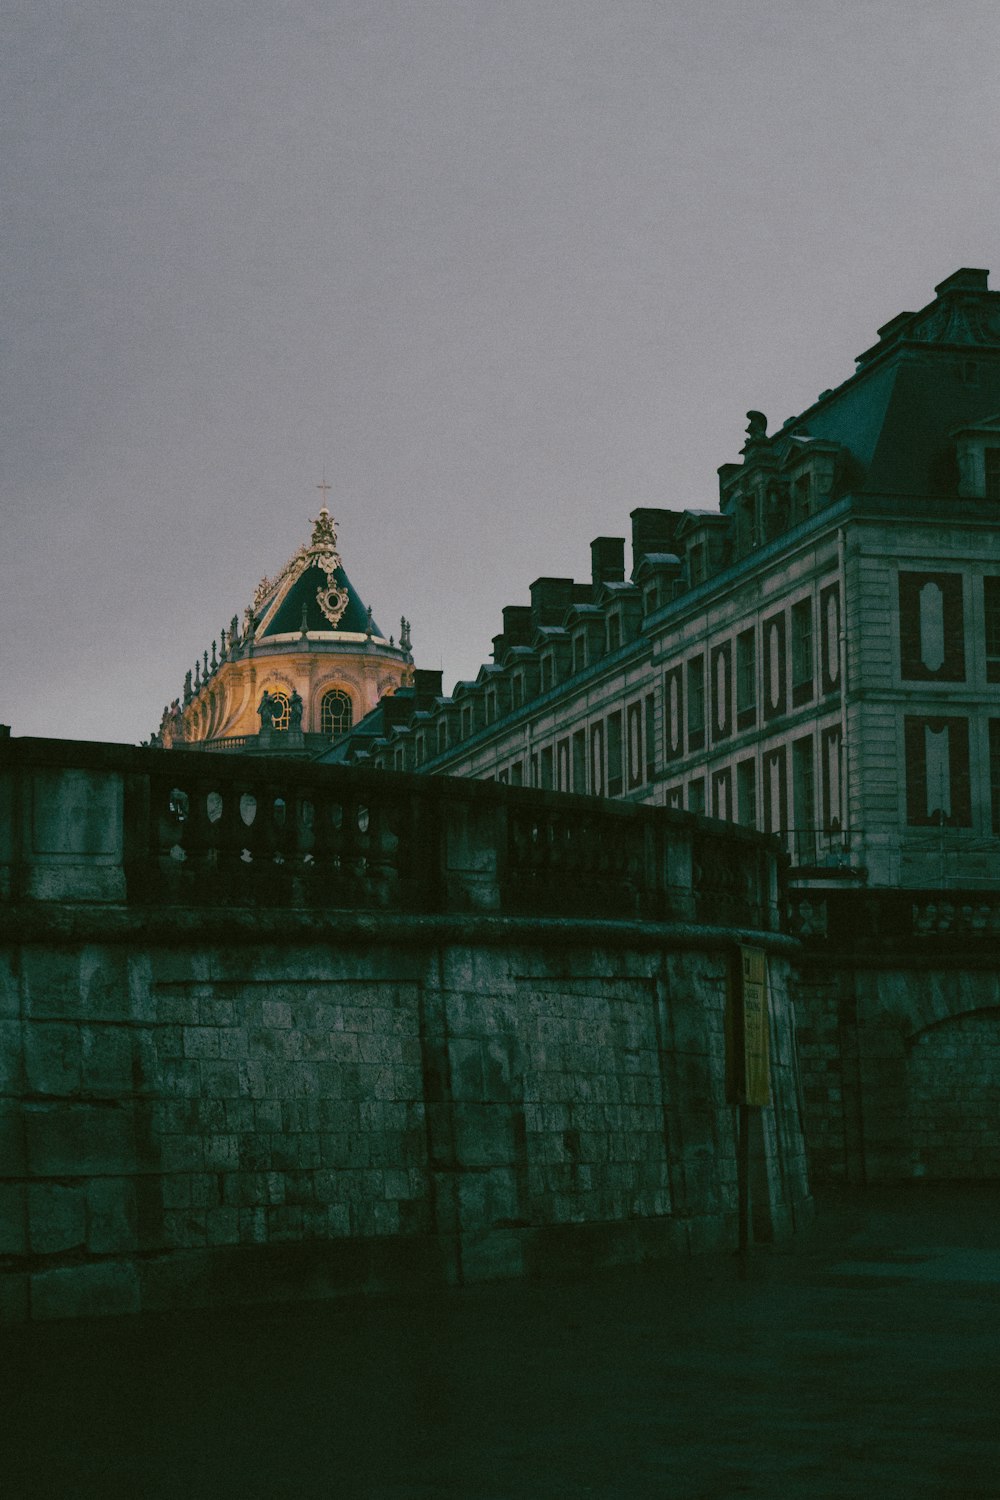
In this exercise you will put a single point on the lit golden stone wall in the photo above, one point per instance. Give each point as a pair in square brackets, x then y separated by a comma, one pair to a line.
[227, 704]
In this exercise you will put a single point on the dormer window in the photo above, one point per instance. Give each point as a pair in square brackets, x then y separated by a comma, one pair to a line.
[978, 452]
[579, 652]
[545, 673]
[802, 498]
[697, 569]
[517, 689]
[614, 632]
[442, 737]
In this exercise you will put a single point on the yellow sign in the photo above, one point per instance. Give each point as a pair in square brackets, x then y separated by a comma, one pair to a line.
[748, 1069]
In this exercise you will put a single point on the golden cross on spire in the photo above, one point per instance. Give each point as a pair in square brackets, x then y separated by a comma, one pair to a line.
[326, 488]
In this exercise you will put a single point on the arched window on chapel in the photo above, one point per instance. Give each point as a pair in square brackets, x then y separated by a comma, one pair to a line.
[280, 710]
[336, 714]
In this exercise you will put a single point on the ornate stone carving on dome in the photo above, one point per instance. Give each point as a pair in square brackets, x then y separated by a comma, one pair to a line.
[332, 600]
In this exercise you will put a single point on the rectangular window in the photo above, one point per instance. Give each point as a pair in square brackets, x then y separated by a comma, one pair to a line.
[746, 792]
[774, 667]
[562, 765]
[650, 736]
[466, 722]
[995, 772]
[938, 793]
[535, 775]
[829, 637]
[546, 761]
[545, 674]
[675, 798]
[614, 632]
[696, 795]
[580, 761]
[802, 652]
[804, 784]
[697, 567]
[991, 457]
[722, 674]
[775, 791]
[490, 707]
[635, 745]
[579, 652]
[746, 679]
[503, 776]
[421, 752]
[614, 755]
[597, 759]
[517, 773]
[991, 612]
[673, 714]
[931, 628]
[517, 690]
[442, 738]
[696, 703]
[722, 794]
[831, 771]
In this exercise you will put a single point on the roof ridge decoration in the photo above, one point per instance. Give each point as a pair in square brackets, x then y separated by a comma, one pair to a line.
[322, 553]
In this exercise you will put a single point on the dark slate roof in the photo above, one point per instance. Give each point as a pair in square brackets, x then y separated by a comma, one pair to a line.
[287, 617]
[895, 413]
[315, 570]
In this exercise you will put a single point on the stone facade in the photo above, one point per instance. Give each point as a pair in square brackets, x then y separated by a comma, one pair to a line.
[819, 659]
[324, 1048]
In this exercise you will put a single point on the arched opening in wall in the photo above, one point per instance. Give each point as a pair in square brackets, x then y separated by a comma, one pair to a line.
[954, 1097]
[280, 710]
[336, 713]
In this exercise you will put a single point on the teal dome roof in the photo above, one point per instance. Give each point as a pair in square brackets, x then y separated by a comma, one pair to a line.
[312, 592]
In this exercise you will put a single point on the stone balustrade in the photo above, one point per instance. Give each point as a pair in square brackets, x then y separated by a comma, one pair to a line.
[86, 822]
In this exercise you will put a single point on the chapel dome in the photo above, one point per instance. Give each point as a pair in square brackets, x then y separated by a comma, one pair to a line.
[308, 661]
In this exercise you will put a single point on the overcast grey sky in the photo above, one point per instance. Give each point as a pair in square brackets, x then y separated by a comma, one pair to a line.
[507, 268]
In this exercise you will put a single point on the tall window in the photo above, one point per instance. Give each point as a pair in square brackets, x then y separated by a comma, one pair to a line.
[992, 465]
[802, 652]
[336, 713]
[991, 604]
[746, 679]
[696, 702]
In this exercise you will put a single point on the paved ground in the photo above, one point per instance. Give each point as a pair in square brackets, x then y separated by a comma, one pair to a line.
[862, 1362]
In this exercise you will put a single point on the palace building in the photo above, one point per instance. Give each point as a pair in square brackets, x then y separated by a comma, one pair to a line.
[818, 658]
[307, 662]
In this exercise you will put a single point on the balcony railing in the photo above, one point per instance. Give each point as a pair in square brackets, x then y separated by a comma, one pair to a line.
[84, 822]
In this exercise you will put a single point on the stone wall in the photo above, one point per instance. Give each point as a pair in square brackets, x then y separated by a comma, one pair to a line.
[212, 1120]
[898, 1008]
[206, 1101]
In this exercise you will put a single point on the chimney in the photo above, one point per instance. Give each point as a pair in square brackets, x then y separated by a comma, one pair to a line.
[550, 599]
[426, 687]
[653, 531]
[607, 560]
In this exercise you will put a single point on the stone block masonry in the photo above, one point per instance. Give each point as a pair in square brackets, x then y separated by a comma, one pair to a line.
[205, 1101]
[217, 1121]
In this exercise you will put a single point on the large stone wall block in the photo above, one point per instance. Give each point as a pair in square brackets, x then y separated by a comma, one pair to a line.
[85, 1291]
[484, 1135]
[57, 1217]
[79, 1140]
[10, 984]
[13, 1218]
